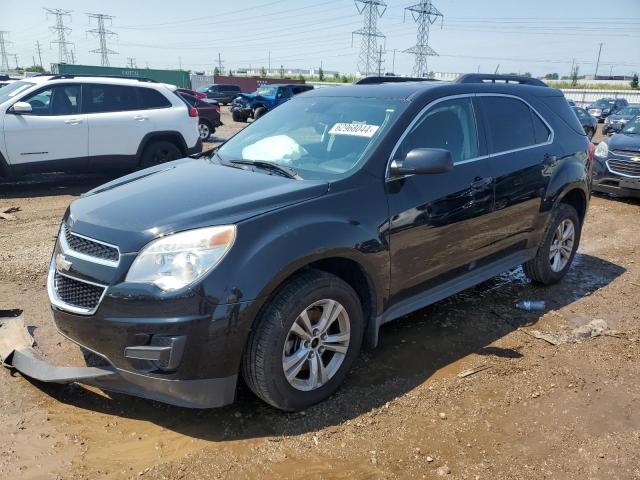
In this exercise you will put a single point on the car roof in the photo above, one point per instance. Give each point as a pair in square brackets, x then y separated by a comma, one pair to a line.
[409, 90]
[42, 79]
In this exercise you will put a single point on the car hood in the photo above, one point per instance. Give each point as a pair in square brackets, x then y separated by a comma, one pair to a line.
[181, 195]
[622, 141]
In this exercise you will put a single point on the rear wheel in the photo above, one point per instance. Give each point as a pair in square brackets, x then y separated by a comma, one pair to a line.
[205, 130]
[159, 152]
[259, 112]
[238, 117]
[558, 248]
[305, 341]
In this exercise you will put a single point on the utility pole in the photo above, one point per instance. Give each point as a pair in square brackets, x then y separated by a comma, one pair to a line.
[179, 63]
[598, 61]
[62, 32]
[102, 33]
[380, 61]
[4, 60]
[371, 10]
[220, 63]
[269, 64]
[425, 15]
[131, 62]
[73, 57]
[39, 53]
[393, 62]
[15, 57]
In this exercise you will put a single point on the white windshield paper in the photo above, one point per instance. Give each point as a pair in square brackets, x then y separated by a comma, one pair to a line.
[354, 129]
[279, 148]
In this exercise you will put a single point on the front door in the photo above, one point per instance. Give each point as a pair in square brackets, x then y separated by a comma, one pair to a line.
[55, 130]
[439, 223]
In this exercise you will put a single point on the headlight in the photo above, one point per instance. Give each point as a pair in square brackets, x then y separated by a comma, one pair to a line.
[602, 150]
[177, 260]
[607, 120]
[605, 111]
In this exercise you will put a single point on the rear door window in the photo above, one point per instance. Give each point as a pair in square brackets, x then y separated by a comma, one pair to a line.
[110, 98]
[512, 124]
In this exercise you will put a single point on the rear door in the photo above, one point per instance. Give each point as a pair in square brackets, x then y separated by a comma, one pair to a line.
[117, 124]
[55, 130]
[439, 223]
[520, 150]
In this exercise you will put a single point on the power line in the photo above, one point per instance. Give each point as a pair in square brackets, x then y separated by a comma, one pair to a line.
[62, 32]
[425, 15]
[4, 59]
[102, 33]
[370, 10]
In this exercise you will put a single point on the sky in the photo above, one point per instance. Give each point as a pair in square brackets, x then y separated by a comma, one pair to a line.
[537, 36]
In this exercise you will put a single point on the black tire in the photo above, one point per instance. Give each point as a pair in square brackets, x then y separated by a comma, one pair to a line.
[259, 112]
[159, 152]
[590, 133]
[262, 364]
[238, 117]
[539, 268]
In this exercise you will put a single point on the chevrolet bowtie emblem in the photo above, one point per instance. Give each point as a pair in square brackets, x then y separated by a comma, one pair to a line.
[62, 264]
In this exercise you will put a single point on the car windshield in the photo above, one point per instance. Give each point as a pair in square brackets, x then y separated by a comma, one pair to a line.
[630, 111]
[9, 91]
[321, 138]
[266, 91]
[602, 104]
[633, 127]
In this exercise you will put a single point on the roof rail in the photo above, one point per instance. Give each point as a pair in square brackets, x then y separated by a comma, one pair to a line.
[74, 75]
[492, 78]
[392, 79]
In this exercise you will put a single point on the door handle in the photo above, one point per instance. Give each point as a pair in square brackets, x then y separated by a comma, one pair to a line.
[141, 118]
[480, 183]
[73, 121]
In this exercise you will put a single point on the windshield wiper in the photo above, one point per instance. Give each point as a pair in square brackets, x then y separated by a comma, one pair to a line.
[274, 167]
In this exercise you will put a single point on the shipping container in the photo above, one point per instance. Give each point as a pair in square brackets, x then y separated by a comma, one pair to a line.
[179, 78]
[246, 84]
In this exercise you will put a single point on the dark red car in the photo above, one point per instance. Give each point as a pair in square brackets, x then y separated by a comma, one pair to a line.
[193, 93]
[208, 111]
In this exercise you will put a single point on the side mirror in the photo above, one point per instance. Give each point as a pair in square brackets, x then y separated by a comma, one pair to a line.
[422, 161]
[21, 108]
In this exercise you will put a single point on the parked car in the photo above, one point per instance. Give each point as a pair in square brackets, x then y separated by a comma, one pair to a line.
[80, 123]
[193, 93]
[617, 168]
[266, 98]
[589, 123]
[277, 255]
[604, 107]
[616, 121]
[223, 94]
[7, 80]
[208, 113]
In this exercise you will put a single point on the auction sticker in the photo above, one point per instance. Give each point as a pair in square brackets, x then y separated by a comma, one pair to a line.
[354, 129]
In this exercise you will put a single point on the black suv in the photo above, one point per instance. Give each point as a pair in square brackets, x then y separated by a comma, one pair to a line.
[279, 254]
[223, 94]
[601, 109]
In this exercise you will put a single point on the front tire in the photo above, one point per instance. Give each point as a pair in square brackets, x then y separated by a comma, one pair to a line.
[304, 342]
[556, 253]
[259, 112]
[205, 130]
[159, 152]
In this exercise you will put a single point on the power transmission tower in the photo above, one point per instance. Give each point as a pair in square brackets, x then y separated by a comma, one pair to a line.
[371, 10]
[39, 53]
[62, 32]
[425, 15]
[380, 61]
[220, 62]
[4, 56]
[15, 57]
[102, 33]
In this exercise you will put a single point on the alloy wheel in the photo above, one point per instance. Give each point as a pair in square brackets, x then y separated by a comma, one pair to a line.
[204, 130]
[561, 246]
[316, 345]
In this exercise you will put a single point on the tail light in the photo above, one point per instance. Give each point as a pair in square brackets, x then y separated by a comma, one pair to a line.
[193, 112]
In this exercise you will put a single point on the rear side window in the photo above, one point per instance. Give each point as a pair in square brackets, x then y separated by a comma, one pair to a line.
[510, 123]
[232, 88]
[540, 130]
[449, 125]
[110, 98]
[150, 98]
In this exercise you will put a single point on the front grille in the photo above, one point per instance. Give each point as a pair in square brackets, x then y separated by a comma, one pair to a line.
[76, 292]
[626, 153]
[624, 167]
[89, 247]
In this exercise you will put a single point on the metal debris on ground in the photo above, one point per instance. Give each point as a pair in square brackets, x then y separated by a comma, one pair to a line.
[471, 371]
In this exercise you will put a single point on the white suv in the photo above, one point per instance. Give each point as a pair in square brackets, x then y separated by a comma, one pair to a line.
[92, 123]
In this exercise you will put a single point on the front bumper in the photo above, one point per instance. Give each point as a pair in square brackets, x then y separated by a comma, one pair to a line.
[197, 148]
[608, 180]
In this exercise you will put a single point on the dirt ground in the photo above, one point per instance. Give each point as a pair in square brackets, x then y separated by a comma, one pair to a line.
[537, 411]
